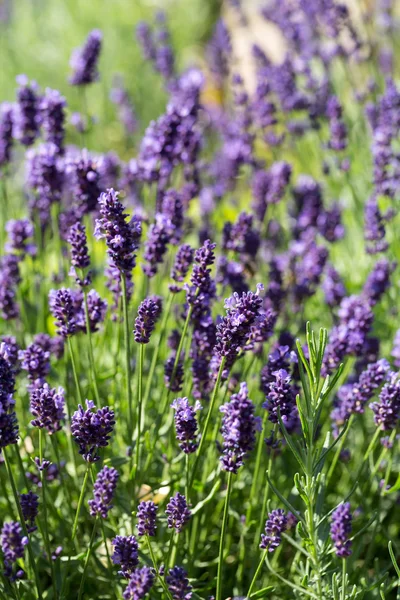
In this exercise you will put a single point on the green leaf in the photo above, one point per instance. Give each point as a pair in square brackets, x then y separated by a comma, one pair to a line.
[291, 443]
[368, 524]
[305, 362]
[394, 561]
[394, 488]
[324, 454]
[284, 501]
[264, 592]
[206, 500]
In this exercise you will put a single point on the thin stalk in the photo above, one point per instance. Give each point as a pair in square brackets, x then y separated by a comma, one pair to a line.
[153, 559]
[87, 559]
[139, 409]
[22, 520]
[344, 579]
[90, 344]
[74, 370]
[187, 476]
[208, 419]
[339, 450]
[256, 574]
[218, 595]
[80, 502]
[256, 469]
[265, 498]
[127, 355]
[44, 506]
[169, 554]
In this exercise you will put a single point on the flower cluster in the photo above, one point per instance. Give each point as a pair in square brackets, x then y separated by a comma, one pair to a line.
[103, 492]
[92, 429]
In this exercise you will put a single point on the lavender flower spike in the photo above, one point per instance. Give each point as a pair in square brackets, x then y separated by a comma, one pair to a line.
[27, 117]
[238, 429]
[387, 409]
[30, 506]
[12, 542]
[140, 583]
[47, 406]
[341, 530]
[84, 60]
[6, 133]
[178, 512]
[274, 526]
[62, 307]
[183, 260]
[146, 517]
[186, 424]
[149, 312]
[79, 251]
[92, 430]
[178, 584]
[103, 492]
[125, 553]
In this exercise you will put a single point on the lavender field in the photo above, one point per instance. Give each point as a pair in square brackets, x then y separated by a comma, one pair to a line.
[199, 300]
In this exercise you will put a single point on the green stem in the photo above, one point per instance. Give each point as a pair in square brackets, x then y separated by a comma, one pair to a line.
[153, 559]
[21, 518]
[87, 559]
[44, 501]
[127, 355]
[167, 561]
[139, 409]
[256, 470]
[344, 579]
[256, 574]
[218, 595]
[74, 370]
[208, 419]
[90, 344]
[339, 450]
[80, 502]
[187, 478]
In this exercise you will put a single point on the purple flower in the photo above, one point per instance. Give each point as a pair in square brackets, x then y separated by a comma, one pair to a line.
[274, 526]
[27, 116]
[92, 430]
[172, 208]
[378, 280]
[269, 186]
[173, 380]
[63, 310]
[178, 512]
[12, 541]
[20, 233]
[55, 345]
[36, 362]
[79, 251]
[178, 584]
[97, 308]
[8, 419]
[45, 176]
[149, 312]
[374, 228]
[84, 175]
[341, 530]
[10, 352]
[47, 406]
[219, 52]
[122, 237]
[30, 507]
[125, 553]
[395, 350]
[183, 260]
[6, 133]
[52, 108]
[145, 38]
[103, 492]
[281, 401]
[84, 60]
[120, 97]
[241, 237]
[387, 409]
[158, 237]
[140, 583]
[338, 129]
[233, 331]
[186, 424]
[238, 429]
[146, 518]
[333, 287]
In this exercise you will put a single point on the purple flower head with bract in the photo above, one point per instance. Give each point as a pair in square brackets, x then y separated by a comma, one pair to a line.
[387, 409]
[92, 430]
[20, 233]
[12, 541]
[178, 512]
[84, 60]
[269, 186]
[333, 287]
[172, 208]
[240, 236]
[10, 352]
[8, 419]
[122, 237]
[84, 174]
[238, 429]
[97, 308]
[79, 252]
[47, 406]
[103, 492]
[149, 312]
[233, 331]
[338, 129]
[274, 526]
[145, 38]
[45, 177]
[52, 106]
[140, 583]
[30, 507]
[186, 424]
[374, 228]
[174, 384]
[183, 260]
[395, 350]
[281, 401]
[341, 530]
[178, 584]
[36, 362]
[62, 307]
[6, 133]
[146, 518]
[27, 116]
[125, 553]
[378, 280]
[219, 52]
